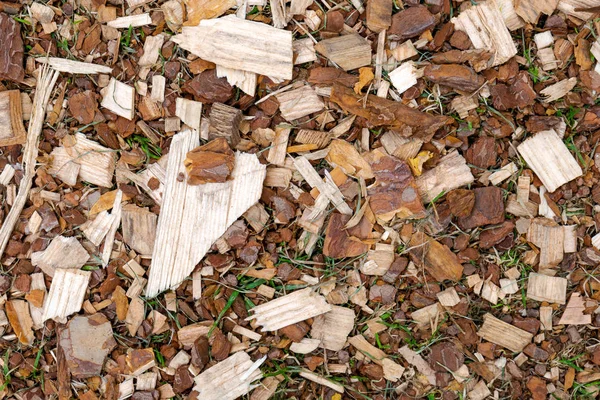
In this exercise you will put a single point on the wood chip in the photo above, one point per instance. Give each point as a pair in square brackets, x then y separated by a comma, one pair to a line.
[549, 237]
[437, 258]
[75, 67]
[176, 250]
[547, 288]
[451, 172]
[20, 320]
[419, 363]
[11, 119]
[504, 334]
[348, 51]
[573, 314]
[119, 98]
[66, 295]
[299, 103]
[228, 379]
[139, 228]
[130, 20]
[62, 252]
[333, 327]
[487, 30]
[289, 309]
[321, 380]
[558, 90]
[550, 159]
[240, 44]
[448, 297]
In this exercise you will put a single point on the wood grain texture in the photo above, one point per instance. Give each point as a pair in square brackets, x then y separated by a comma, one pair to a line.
[83, 158]
[192, 218]
[333, 327]
[63, 252]
[487, 30]
[223, 381]
[552, 289]
[74, 67]
[348, 51]
[66, 295]
[11, 119]
[240, 44]
[550, 159]
[504, 334]
[451, 172]
[289, 309]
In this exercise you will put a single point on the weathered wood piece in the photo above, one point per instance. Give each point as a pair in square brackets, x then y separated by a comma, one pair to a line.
[348, 51]
[451, 172]
[112, 229]
[530, 10]
[487, 30]
[66, 295]
[573, 314]
[552, 289]
[228, 379]
[437, 258]
[139, 228]
[278, 151]
[333, 327]
[186, 229]
[119, 98]
[74, 67]
[549, 237]
[11, 119]
[62, 252]
[379, 15]
[304, 51]
[504, 334]
[289, 309]
[86, 341]
[298, 103]
[550, 159]
[225, 122]
[189, 111]
[241, 44]
[80, 157]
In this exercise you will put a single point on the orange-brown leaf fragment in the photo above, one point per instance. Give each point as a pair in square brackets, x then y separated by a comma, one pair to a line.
[364, 78]
[212, 162]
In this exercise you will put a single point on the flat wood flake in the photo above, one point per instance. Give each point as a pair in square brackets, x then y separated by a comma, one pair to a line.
[228, 379]
[192, 218]
[289, 309]
[504, 334]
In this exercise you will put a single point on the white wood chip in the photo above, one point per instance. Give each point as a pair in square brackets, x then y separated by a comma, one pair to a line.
[66, 295]
[62, 252]
[333, 327]
[241, 44]
[550, 159]
[289, 309]
[130, 20]
[119, 98]
[223, 380]
[192, 218]
[74, 67]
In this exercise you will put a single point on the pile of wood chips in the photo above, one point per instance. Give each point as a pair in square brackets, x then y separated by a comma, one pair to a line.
[310, 199]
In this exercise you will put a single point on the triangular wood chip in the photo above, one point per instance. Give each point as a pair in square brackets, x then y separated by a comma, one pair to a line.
[192, 218]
